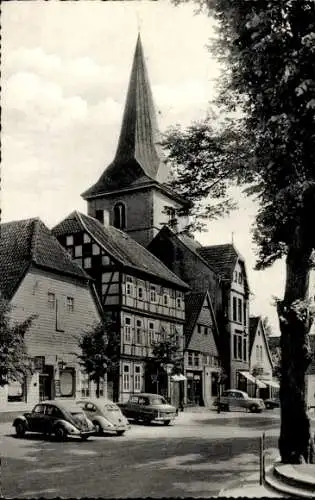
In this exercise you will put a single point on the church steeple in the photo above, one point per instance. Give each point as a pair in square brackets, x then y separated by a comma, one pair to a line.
[138, 154]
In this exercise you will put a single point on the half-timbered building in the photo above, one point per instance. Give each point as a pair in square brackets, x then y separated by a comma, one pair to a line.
[142, 296]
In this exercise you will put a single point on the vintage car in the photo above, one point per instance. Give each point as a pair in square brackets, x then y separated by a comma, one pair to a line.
[235, 399]
[60, 418]
[147, 408]
[272, 403]
[105, 415]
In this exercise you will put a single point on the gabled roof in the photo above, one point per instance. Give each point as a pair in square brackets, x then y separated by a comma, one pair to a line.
[139, 157]
[27, 242]
[223, 258]
[193, 305]
[121, 247]
[254, 323]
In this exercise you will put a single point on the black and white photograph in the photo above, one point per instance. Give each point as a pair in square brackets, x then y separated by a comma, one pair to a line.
[157, 249]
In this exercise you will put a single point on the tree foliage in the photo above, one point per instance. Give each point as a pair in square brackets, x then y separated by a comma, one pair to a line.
[14, 361]
[100, 351]
[267, 49]
[167, 350]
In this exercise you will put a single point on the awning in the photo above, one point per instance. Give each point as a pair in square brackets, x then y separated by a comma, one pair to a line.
[254, 380]
[272, 383]
[178, 378]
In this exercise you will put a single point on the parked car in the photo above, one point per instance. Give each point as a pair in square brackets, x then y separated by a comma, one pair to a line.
[105, 415]
[61, 418]
[147, 408]
[234, 398]
[271, 403]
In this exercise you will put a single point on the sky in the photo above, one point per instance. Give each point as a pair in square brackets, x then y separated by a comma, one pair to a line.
[65, 71]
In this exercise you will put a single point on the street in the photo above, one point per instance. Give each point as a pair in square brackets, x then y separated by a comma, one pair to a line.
[196, 456]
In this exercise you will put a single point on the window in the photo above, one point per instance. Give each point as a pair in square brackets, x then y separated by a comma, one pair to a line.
[245, 349]
[165, 300]
[51, 300]
[234, 312]
[70, 304]
[245, 313]
[261, 354]
[137, 382]
[126, 378]
[70, 252]
[206, 330]
[87, 262]
[105, 260]
[85, 385]
[67, 382]
[95, 249]
[199, 328]
[120, 216]
[129, 286]
[99, 215]
[190, 360]
[128, 329]
[257, 352]
[86, 238]
[196, 359]
[234, 346]
[179, 302]
[151, 332]
[69, 240]
[140, 292]
[138, 331]
[240, 278]
[235, 276]
[152, 294]
[238, 345]
[78, 251]
[239, 310]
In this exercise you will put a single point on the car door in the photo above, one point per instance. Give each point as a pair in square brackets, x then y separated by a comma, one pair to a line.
[232, 399]
[36, 418]
[52, 414]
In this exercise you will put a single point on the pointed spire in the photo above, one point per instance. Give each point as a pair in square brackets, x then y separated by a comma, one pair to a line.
[139, 131]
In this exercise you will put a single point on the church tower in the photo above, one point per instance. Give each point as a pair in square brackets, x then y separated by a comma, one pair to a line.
[132, 194]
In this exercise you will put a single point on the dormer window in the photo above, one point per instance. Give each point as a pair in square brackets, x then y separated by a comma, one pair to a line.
[120, 216]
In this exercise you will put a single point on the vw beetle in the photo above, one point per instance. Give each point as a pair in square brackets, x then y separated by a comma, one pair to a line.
[105, 415]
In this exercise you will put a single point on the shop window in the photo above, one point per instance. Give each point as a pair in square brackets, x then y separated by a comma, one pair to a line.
[16, 391]
[137, 380]
[67, 383]
[120, 216]
[126, 378]
[70, 304]
[51, 300]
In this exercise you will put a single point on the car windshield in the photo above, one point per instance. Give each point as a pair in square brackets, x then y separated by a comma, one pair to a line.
[158, 401]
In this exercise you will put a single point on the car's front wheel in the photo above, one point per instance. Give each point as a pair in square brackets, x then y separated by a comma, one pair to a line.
[253, 409]
[166, 422]
[20, 429]
[120, 433]
[60, 433]
[268, 406]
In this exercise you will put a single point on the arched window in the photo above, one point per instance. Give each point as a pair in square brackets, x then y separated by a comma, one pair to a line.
[120, 216]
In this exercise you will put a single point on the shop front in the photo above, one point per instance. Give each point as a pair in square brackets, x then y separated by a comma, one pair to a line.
[194, 388]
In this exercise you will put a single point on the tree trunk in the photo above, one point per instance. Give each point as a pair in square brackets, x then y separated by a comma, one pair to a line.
[295, 436]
